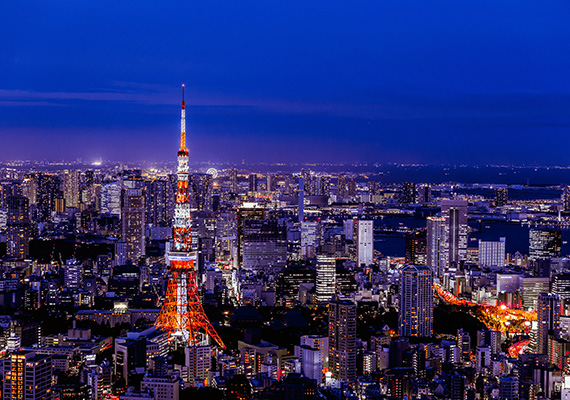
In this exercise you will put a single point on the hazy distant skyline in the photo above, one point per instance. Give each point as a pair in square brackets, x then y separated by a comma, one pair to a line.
[376, 81]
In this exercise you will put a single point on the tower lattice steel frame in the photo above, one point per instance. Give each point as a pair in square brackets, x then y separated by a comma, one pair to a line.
[182, 313]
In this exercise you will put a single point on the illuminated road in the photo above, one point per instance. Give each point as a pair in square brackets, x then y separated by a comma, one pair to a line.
[499, 318]
[517, 348]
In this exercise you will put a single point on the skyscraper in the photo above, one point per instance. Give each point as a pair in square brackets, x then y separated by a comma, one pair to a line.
[416, 247]
[71, 188]
[408, 195]
[561, 287]
[309, 179]
[436, 248]
[342, 340]
[253, 182]
[301, 208]
[424, 193]
[365, 242]
[232, 177]
[455, 214]
[133, 222]
[310, 238]
[201, 192]
[566, 198]
[156, 201]
[326, 278]
[18, 226]
[416, 301]
[544, 243]
[548, 318]
[341, 186]
[48, 193]
[271, 183]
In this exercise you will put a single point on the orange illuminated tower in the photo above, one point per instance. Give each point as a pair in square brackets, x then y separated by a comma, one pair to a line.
[182, 314]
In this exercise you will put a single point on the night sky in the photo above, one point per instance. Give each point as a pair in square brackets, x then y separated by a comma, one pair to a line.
[287, 81]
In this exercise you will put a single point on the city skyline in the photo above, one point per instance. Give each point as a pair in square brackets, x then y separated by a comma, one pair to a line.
[288, 82]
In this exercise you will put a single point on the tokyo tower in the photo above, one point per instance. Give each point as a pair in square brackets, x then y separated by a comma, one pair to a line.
[182, 314]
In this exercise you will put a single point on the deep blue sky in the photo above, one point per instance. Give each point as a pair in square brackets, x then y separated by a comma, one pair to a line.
[377, 81]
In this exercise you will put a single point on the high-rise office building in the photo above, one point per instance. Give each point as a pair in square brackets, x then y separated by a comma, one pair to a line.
[408, 194]
[566, 198]
[491, 339]
[561, 287]
[455, 214]
[133, 222]
[262, 239]
[326, 278]
[341, 186]
[30, 188]
[531, 287]
[492, 254]
[253, 182]
[27, 376]
[17, 226]
[416, 247]
[351, 188]
[501, 197]
[364, 242]
[416, 301]
[271, 182]
[436, 247]
[310, 238]
[342, 340]
[71, 188]
[157, 202]
[111, 198]
[544, 243]
[424, 193]
[323, 185]
[301, 207]
[201, 192]
[49, 192]
[233, 183]
[309, 179]
[548, 318]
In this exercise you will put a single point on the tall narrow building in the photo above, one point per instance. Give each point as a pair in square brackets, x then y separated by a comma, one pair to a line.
[548, 318]
[17, 226]
[133, 222]
[436, 245]
[71, 188]
[253, 182]
[365, 242]
[49, 192]
[455, 214]
[326, 278]
[342, 340]
[416, 301]
[232, 177]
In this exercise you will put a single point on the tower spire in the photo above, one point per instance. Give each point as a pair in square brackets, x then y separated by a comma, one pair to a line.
[183, 124]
